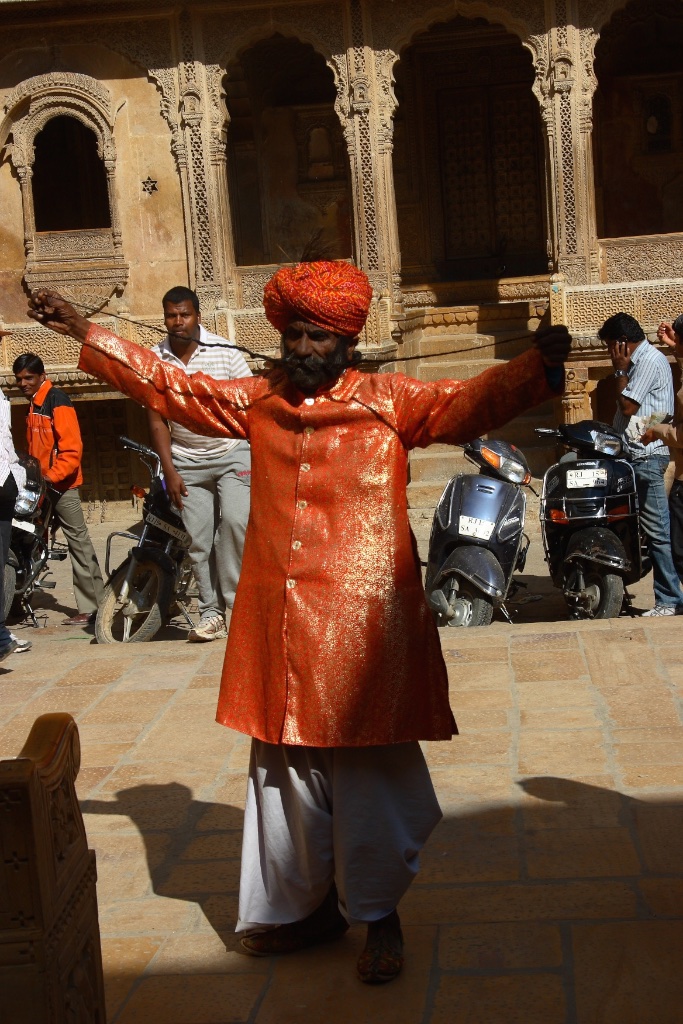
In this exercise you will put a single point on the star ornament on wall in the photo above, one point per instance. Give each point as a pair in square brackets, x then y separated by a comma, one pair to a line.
[149, 186]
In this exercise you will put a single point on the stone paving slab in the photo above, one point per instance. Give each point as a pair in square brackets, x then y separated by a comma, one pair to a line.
[552, 891]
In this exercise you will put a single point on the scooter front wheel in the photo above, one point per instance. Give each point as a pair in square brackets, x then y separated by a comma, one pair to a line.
[135, 615]
[472, 608]
[602, 596]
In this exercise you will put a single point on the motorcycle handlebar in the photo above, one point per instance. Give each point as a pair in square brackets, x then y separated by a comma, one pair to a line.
[137, 447]
[547, 432]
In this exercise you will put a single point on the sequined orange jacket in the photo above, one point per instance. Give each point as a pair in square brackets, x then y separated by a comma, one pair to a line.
[331, 640]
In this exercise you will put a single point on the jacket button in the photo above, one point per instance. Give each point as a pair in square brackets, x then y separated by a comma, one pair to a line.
[301, 504]
[309, 430]
[291, 584]
[305, 467]
[296, 545]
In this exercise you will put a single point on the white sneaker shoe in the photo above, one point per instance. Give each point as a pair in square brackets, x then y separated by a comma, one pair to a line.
[660, 609]
[212, 628]
[22, 645]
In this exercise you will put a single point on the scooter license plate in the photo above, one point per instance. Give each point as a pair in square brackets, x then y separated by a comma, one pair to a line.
[26, 527]
[587, 477]
[479, 528]
[179, 535]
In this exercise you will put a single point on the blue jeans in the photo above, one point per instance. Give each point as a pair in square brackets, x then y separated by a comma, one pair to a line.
[654, 518]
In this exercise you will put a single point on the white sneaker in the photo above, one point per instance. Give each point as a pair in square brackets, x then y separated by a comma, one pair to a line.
[22, 645]
[660, 609]
[212, 628]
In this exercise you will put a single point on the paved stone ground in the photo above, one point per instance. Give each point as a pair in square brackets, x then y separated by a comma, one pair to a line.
[552, 892]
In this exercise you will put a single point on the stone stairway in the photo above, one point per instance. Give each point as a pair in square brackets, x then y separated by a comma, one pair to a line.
[454, 345]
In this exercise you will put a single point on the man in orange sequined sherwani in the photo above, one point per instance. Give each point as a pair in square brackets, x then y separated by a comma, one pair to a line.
[333, 663]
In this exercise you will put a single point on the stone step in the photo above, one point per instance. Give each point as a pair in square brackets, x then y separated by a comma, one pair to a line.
[428, 466]
[468, 346]
[435, 370]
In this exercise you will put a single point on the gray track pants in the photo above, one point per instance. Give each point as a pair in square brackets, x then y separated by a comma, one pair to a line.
[355, 815]
[215, 513]
[87, 577]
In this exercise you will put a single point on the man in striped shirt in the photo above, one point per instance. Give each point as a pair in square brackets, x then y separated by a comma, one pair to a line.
[207, 478]
[645, 389]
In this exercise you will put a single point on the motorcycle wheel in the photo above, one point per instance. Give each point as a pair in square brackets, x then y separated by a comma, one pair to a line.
[9, 585]
[475, 610]
[143, 614]
[606, 591]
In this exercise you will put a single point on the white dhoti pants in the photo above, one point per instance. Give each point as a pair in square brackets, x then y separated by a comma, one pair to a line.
[358, 816]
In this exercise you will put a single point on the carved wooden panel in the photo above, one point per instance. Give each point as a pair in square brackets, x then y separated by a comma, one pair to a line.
[106, 466]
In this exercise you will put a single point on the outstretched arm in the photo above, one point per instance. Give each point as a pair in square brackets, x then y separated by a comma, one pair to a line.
[454, 411]
[200, 403]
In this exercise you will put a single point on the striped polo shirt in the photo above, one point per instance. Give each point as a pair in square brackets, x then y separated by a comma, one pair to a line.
[219, 359]
[650, 384]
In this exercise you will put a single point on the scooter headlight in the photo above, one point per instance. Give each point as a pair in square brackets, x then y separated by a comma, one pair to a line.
[27, 501]
[507, 469]
[606, 444]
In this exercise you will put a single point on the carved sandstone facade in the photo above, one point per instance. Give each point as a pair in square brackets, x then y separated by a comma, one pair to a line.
[489, 164]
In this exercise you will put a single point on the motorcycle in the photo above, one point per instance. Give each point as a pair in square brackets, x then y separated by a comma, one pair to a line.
[155, 579]
[32, 543]
[477, 540]
[590, 522]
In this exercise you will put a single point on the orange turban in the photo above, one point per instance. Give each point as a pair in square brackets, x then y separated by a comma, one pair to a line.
[330, 294]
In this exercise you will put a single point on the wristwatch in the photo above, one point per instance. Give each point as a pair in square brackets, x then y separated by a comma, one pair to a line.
[621, 373]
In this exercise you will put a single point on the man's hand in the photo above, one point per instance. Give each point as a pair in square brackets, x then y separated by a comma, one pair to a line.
[667, 335]
[51, 310]
[619, 354]
[649, 436]
[175, 488]
[553, 343]
[4, 333]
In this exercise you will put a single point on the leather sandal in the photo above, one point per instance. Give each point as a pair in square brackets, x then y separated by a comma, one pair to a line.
[382, 958]
[81, 619]
[325, 924]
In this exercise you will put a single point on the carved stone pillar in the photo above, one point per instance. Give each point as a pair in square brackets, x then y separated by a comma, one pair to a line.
[195, 164]
[564, 88]
[109, 159]
[25, 173]
[575, 400]
[220, 122]
[368, 132]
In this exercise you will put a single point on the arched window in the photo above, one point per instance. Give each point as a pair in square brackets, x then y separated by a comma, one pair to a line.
[69, 179]
[61, 126]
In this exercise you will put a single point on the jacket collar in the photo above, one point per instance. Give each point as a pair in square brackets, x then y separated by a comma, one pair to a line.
[41, 393]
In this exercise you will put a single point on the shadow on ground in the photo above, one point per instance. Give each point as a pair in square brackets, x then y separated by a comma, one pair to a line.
[563, 909]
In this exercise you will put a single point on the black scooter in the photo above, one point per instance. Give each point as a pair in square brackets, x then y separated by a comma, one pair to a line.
[590, 521]
[477, 539]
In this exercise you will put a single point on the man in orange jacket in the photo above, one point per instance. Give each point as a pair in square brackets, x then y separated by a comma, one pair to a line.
[54, 438]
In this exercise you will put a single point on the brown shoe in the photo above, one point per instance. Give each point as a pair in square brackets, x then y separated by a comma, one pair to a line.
[324, 925]
[82, 619]
[382, 958]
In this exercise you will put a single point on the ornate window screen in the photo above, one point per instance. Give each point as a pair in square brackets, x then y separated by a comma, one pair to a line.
[87, 265]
